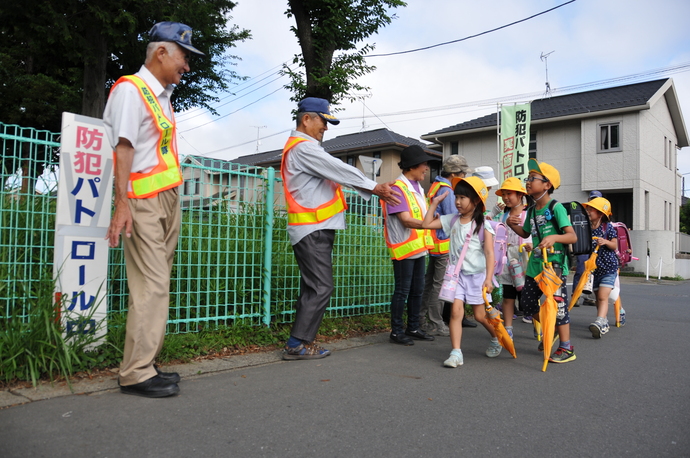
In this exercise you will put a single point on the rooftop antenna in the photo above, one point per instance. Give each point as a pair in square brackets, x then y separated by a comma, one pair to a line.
[363, 97]
[543, 57]
[258, 128]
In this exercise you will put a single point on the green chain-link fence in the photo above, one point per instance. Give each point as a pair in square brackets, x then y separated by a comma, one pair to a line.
[234, 262]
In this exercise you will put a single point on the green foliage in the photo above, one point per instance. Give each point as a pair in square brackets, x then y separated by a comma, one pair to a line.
[55, 52]
[34, 347]
[325, 27]
[685, 218]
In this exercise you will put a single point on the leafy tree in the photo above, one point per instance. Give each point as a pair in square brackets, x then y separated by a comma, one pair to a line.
[63, 55]
[324, 27]
[685, 218]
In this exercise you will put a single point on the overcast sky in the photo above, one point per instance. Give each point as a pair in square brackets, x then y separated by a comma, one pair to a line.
[591, 40]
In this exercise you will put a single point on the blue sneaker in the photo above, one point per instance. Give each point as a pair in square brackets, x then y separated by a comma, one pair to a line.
[305, 350]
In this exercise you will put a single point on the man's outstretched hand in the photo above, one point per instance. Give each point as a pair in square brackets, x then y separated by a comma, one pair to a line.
[386, 193]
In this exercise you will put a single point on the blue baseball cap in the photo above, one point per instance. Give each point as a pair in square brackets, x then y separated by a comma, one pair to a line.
[594, 194]
[317, 105]
[176, 32]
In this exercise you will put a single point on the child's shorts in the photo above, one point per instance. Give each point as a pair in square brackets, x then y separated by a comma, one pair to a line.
[605, 281]
[510, 292]
[469, 288]
[531, 294]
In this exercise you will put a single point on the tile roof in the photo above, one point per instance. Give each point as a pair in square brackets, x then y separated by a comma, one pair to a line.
[630, 95]
[371, 139]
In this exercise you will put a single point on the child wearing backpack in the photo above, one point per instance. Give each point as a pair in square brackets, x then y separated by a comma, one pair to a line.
[548, 229]
[606, 238]
[478, 261]
[513, 193]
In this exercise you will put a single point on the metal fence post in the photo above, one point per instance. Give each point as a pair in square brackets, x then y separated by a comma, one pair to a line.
[268, 244]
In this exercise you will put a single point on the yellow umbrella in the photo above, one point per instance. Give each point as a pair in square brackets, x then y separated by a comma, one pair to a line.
[617, 310]
[535, 322]
[495, 319]
[590, 266]
[549, 282]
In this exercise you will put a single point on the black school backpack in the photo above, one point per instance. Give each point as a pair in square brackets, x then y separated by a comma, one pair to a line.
[579, 220]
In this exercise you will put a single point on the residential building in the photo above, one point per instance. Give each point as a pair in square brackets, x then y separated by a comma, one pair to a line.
[622, 141]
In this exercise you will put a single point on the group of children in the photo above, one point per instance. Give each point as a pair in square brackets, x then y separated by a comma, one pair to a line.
[543, 226]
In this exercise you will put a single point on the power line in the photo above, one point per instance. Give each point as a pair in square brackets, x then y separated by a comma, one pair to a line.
[233, 112]
[233, 100]
[471, 36]
[205, 110]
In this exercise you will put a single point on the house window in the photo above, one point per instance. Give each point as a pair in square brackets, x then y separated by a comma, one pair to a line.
[453, 148]
[192, 187]
[533, 145]
[609, 137]
[377, 155]
[665, 152]
[351, 160]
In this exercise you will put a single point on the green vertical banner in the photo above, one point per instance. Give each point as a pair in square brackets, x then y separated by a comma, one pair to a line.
[515, 121]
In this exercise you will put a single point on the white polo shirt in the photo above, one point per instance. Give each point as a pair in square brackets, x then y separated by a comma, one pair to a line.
[126, 116]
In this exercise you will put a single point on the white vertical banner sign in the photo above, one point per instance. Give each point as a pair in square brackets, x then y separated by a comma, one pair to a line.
[515, 125]
[81, 223]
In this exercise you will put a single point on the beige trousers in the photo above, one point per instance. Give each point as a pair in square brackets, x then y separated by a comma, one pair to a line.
[149, 257]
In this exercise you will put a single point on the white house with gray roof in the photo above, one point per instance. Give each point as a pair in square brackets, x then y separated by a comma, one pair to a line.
[622, 141]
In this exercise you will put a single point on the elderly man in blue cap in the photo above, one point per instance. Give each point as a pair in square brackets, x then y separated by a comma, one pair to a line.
[586, 299]
[140, 126]
[312, 181]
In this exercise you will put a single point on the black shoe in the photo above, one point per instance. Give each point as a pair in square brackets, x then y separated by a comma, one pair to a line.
[468, 324]
[419, 335]
[169, 376]
[155, 387]
[401, 339]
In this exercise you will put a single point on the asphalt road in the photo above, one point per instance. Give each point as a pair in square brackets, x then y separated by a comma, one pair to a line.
[625, 395]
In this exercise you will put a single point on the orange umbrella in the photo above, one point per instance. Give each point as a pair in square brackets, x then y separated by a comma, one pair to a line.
[549, 282]
[495, 319]
[590, 266]
[535, 322]
[617, 311]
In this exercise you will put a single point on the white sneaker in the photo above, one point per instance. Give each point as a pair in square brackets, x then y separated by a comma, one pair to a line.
[494, 349]
[454, 360]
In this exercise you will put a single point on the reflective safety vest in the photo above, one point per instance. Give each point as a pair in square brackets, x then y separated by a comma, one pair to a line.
[299, 215]
[419, 240]
[440, 246]
[167, 173]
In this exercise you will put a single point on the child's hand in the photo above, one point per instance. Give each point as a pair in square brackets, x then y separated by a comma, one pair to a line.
[547, 242]
[488, 285]
[515, 220]
[601, 241]
[528, 247]
[437, 199]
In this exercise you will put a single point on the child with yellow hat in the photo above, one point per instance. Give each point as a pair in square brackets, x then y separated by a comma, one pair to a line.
[477, 259]
[549, 228]
[513, 194]
[605, 237]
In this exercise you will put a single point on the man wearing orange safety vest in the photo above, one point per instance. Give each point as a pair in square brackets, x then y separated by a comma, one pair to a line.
[453, 166]
[408, 245]
[312, 181]
[140, 126]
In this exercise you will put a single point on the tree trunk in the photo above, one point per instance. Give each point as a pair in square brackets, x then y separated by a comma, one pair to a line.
[95, 60]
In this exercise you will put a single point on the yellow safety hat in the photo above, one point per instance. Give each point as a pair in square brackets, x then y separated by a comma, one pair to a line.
[511, 184]
[548, 171]
[476, 183]
[600, 204]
